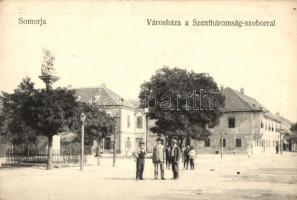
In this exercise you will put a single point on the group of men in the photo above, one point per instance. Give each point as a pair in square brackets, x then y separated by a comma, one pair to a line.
[159, 157]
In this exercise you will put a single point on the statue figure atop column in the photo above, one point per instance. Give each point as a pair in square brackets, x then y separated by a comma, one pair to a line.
[47, 67]
[48, 71]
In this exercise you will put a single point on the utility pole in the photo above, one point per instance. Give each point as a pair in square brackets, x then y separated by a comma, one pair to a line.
[222, 146]
[82, 118]
[146, 111]
[114, 146]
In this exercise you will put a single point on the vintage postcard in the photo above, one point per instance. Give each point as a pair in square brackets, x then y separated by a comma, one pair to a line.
[148, 100]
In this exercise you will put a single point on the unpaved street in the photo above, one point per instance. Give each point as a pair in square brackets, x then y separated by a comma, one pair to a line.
[233, 177]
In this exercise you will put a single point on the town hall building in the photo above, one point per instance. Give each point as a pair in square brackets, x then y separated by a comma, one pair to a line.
[130, 120]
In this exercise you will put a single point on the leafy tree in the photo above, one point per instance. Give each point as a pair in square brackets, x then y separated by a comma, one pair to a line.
[182, 102]
[98, 125]
[49, 112]
[293, 129]
[13, 127]
[29, 112]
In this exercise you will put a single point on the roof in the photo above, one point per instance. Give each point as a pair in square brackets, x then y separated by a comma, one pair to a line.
[135, 102]
[1, 104]
[284, 120]
[236, 101]
[272, 116]
[103, 95]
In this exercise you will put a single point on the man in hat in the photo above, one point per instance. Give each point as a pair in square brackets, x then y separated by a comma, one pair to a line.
[140, 157]
[158, 158]
[186, 157]
[175, 155]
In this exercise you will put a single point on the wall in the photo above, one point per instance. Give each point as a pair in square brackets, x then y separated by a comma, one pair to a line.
[270, 137]
[247, 124]
[129, 134]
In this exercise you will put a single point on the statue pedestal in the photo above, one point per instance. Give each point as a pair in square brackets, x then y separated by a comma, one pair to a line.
[49, 80]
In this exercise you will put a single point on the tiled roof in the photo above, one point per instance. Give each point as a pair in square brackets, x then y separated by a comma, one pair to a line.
[284, 120]
[272, 116]
[236, 101]
[102, 95]
[1, 104]
[135, 102]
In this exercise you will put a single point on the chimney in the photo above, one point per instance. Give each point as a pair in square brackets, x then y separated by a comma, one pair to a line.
[221, 87]
[242, 90]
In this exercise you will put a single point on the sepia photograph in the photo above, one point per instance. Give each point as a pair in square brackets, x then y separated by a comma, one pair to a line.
[144, 100]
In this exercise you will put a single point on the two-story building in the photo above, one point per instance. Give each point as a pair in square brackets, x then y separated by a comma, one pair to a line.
[131, 123]
[245, 127]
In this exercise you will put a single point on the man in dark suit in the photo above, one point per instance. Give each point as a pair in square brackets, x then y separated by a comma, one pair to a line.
[168, 157]
[140, 157]
[159, 158]
[175, 155]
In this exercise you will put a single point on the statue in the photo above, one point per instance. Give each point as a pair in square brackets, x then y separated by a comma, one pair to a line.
[47, 67]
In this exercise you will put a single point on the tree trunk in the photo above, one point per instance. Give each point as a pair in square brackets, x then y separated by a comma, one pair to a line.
[28, 153]
[98, 151]
[49, 152]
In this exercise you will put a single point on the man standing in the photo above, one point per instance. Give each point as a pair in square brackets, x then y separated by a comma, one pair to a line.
[168, 157]
[158, 158]
[186, 157]
[140, 157]
[175, 155]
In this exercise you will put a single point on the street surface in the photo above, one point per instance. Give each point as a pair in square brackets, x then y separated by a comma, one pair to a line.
[233, 177]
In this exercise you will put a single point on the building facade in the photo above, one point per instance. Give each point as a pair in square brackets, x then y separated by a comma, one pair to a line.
[245, 127]
[130, 120]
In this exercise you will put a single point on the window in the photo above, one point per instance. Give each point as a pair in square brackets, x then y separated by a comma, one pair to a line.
[238, 142]
[207, 142]
[128, 144]
[224, 142]
[261, 123]
[265, 125]
[231, 122]
[107, 143]
[139, 122]
[128, 121]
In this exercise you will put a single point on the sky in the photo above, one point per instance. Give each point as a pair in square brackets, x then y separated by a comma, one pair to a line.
[111, 43]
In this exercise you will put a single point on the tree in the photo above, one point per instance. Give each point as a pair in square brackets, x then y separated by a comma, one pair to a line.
[293, 129]
[13, 127]
[183, 103]
[49, 112]
[98, 125]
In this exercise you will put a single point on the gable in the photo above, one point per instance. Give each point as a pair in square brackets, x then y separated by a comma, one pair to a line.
[236, 101]
[101, 95]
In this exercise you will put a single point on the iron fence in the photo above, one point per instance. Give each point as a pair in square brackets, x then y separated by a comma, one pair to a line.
[20, 156]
